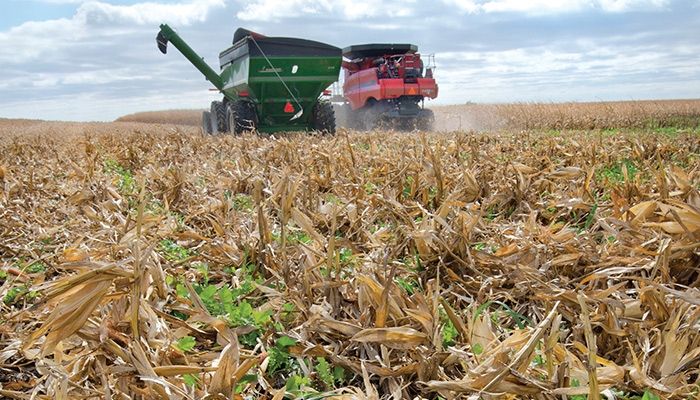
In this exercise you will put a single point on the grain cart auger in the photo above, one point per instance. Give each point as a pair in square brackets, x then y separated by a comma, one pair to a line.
[269, 84]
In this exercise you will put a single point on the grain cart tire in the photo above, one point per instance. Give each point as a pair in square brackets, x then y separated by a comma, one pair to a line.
[218, 112]
[241, 116]
[246, 116]
[323, 118]
[206, 123]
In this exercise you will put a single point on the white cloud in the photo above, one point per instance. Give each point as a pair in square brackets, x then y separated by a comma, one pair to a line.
[94, 77]
[148, 13]
[270, 10]
[274, 10]
[94, 19]
[469, 6]
[265, 10]
[631, 5]
[539, 7]
[591, 70]
[533, 6]
[60, 1]
[97, 63]
[29, 40]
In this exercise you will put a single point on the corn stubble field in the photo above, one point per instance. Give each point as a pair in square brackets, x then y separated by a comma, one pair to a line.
[147, 261]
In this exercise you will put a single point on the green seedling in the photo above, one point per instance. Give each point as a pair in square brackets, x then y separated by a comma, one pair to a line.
[185, 343]
[173, 251]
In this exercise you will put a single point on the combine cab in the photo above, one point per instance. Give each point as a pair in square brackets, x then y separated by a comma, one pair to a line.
[386, 85]
[269, 84]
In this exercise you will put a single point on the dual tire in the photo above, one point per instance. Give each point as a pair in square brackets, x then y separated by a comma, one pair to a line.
[207, 128]
[240, 116]
[218, 113]
[323, 118]
[235, 117]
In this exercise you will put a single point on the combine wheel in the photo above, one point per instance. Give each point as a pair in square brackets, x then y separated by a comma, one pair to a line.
[323, 118]
[206, 123]
[426, 119]
[218, 113]
[369, 117]
[241, 116]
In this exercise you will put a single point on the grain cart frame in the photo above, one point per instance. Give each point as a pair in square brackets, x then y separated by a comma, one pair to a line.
[269, 84]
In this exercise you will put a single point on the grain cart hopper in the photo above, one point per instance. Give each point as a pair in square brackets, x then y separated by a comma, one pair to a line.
[269, 84]
[386, 85]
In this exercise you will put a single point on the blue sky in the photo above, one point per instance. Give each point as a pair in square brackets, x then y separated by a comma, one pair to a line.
[97, 60]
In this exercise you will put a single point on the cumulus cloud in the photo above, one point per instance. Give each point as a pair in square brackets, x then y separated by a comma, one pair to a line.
[632, 5]
[585, 70]
[539, 7]
[265, 10]
[98, 12]
[35, 38]
[101, 61]
[275, 10]
[60, 1]
[533, 6]
[92, 20]
[270, 10]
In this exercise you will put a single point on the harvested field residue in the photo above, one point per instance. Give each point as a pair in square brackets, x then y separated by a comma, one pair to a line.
[163, 264]
[180, 117]
[66, 134]
[651, 114]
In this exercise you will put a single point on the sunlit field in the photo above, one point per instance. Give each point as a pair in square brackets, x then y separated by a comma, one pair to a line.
[523, 251]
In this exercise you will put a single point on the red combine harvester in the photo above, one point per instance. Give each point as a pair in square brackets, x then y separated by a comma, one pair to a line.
[386, 86]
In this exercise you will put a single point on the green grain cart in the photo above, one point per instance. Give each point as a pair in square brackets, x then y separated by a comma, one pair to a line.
[270, 84]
